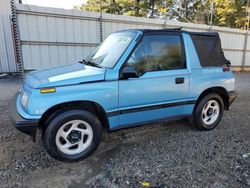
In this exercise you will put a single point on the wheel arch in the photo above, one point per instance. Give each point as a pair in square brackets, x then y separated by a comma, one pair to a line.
[90, 106]
[218, 90]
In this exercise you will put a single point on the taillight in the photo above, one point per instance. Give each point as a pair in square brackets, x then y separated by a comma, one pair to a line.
[226, 69]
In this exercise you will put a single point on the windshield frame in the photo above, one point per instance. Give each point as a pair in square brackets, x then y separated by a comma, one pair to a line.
[88, 58]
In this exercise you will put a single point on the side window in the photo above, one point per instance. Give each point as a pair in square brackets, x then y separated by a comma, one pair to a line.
[157, 53]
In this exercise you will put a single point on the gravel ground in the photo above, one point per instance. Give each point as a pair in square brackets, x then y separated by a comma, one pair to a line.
[162, 154]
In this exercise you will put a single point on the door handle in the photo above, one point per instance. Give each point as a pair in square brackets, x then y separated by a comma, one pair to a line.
[179, 80]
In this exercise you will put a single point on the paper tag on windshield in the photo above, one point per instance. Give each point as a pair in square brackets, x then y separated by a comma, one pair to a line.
[123, 40]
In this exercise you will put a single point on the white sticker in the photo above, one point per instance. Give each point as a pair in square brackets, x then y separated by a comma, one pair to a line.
[123, 40]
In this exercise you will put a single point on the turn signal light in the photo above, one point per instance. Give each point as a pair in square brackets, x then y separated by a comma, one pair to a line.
[48, 90]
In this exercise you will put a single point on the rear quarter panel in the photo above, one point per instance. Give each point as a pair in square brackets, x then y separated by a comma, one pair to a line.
[202, 78]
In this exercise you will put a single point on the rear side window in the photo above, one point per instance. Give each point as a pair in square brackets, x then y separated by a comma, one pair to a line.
[209, 50]
[158, 53]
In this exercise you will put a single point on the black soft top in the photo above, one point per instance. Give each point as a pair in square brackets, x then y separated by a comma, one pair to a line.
[207, 45]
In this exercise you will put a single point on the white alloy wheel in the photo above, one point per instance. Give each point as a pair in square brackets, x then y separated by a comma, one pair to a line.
[74, 137]
[210, 112]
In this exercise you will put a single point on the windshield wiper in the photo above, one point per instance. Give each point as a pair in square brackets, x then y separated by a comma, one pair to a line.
[90, 63]
[93, 64]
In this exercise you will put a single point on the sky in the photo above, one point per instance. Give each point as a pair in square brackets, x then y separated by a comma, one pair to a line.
[66, 4]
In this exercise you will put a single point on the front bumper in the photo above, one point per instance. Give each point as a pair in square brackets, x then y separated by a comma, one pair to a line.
[27, 126]
[232, 96]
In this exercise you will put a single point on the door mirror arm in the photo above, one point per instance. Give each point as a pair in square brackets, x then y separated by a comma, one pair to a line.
[129, 72]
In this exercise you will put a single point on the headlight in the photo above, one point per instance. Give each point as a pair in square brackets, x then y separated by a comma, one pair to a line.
[25, 99]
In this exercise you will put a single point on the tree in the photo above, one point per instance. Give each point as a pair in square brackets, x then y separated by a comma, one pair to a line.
[202, 11]
[190, 10]
[108, 6]
[229, 13]
[125, 7]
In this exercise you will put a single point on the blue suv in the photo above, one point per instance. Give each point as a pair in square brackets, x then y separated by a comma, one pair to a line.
[133, 77]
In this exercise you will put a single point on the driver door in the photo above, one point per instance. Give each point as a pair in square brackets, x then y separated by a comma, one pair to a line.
[160, 88]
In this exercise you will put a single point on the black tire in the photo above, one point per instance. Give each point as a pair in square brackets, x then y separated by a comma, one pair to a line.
[49, 139]
[196, 119]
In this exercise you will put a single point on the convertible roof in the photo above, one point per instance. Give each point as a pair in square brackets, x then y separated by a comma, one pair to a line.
[174, 30]
[178, 30]
[207, 45]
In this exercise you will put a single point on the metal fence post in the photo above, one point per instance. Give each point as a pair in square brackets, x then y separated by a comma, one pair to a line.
[164, 25]
[16, 35]
[101, 27]
[244, 52]
[100, 22]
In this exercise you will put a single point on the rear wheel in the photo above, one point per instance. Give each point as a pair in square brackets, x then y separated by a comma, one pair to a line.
[208, 113]
[72, 135]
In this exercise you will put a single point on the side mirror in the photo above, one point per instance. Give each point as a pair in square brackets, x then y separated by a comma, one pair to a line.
[129, 72]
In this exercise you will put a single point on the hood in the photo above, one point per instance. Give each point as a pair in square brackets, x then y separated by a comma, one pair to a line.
[65, 75]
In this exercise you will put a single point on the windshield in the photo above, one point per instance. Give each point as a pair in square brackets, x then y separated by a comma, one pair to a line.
[109, 52]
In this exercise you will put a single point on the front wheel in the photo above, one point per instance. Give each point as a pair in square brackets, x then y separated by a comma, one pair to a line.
[72, 135]
[208, 112]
